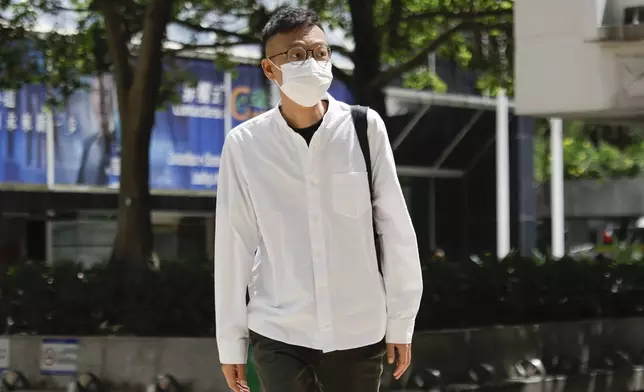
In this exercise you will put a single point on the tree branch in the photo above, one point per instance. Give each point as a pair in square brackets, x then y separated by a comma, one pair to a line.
[247, 38]
[448, 15]
[148, 72]
[342, 76]
[187, 48]
[469, 15]
[394, 22]
[341, 50]
[118, 38]
[60, 8]
[420, 58]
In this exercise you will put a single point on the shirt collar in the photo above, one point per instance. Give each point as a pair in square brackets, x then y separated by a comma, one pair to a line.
[282, 124]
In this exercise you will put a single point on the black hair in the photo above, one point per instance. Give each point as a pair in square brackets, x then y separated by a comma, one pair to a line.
[288, 19]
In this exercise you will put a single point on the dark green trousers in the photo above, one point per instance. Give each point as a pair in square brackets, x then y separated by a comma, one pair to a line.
[283, 367]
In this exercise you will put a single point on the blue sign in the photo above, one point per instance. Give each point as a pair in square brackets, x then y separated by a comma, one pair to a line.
[59, 356]
[250, 93]
[85, 134]
[188, 136]
[23, 136]
[340, 92]
[186, 142]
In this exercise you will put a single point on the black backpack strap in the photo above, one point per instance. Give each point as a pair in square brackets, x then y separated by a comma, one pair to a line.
[359, 115]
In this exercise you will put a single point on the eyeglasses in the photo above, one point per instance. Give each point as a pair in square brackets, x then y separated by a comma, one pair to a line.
[297, 55]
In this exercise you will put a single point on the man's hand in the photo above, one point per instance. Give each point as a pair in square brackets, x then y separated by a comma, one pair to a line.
[403, 352]
[236, 377]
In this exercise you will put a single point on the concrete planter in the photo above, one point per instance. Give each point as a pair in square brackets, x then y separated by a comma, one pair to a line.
[131, 363]
[128, 363]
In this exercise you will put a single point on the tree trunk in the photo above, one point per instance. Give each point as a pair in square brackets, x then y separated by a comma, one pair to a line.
[138, 94]
[366, 96]
[133, 243]
[366, 56]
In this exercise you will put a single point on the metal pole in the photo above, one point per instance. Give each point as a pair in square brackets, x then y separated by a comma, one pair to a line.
[502, 176]
[451, 100]
[461, 134]
[557, 188]
[432, 214]
[410, 126]
[466, 218]
[228, 109]
[428, 172]
[49, 237]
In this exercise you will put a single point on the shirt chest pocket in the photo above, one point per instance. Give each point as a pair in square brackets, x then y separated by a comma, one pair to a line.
[350, 194]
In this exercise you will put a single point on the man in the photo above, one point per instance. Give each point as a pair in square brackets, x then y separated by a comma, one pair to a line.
[97, 146]
[294, 229]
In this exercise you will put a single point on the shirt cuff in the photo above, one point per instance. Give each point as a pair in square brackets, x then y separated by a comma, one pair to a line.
[400, 331]
[233, 352]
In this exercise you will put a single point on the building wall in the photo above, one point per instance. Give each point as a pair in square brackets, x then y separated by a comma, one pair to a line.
[592, 198]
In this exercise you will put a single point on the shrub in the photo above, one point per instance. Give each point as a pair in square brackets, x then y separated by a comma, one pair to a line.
[177, 300]
[520, 290]
[67, 299]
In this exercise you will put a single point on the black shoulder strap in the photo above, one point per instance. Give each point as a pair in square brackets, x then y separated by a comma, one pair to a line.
[359, 115]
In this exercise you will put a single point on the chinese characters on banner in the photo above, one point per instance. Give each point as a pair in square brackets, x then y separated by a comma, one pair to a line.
[187, 138]
[23, 150]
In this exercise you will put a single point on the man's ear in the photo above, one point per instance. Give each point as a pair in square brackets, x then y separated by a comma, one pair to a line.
[268, 69]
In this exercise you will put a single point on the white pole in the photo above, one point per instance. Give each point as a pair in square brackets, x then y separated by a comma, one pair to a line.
[557, 188]
[49, 148]
[228, 105]
[502, 176]
[50, 141]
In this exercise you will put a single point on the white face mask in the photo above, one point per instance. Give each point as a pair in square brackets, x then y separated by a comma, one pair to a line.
[306, 83]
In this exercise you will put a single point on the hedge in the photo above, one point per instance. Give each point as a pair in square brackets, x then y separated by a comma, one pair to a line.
[177, 299]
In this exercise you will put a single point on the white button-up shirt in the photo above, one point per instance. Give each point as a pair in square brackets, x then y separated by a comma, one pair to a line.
[294, 227]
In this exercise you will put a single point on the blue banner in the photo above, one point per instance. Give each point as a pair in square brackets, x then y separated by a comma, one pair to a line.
[340, 92]
[188, 137]
[250, 93]
[186, 140]
[85, 134]
[23, 130]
